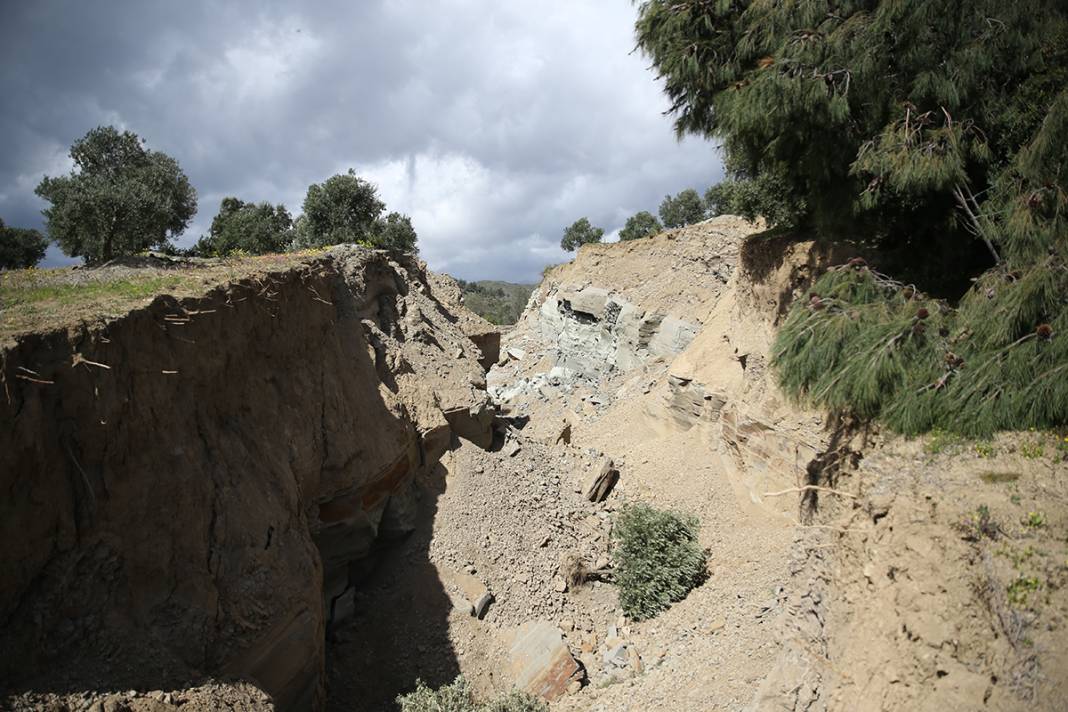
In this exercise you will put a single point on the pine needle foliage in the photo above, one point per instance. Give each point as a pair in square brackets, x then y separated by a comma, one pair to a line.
[866, 344]
[935, 129]
[658, 559]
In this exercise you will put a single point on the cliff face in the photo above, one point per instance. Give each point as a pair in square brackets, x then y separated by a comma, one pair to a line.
[189, 489]
[680, 326]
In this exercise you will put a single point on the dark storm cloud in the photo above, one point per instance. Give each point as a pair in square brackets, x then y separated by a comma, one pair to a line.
[493, 124]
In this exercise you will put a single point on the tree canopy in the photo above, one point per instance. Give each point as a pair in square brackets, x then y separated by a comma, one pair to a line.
[252, 228]
[684, 209]
[119, 199]
[639, 225]
[20, 247]
[344, 208]
[934, 128]
[579, 233]
[395, 232]
[765, 196]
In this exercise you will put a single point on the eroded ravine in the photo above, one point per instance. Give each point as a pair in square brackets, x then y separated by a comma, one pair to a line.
[308, 484]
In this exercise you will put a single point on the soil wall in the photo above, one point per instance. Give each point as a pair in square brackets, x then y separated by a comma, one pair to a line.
[189, 490]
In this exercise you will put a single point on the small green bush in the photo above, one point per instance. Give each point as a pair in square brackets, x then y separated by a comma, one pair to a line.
[457, 697]
[657, 559]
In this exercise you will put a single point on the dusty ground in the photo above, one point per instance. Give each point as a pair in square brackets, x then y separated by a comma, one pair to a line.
[949, 589]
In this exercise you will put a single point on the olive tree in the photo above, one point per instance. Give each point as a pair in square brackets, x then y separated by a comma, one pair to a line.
[581, 232]
[119, 199]
[20, 247]
[639, 225]
[247, 227]
[684, 209]
[343, 208]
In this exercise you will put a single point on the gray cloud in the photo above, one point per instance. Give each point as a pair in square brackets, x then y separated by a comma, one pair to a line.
[493, 124]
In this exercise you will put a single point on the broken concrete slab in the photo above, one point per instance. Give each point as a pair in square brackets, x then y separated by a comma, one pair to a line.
[540, 662]
[600, 484]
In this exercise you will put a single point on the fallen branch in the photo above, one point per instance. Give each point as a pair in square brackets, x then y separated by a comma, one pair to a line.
[810, 488]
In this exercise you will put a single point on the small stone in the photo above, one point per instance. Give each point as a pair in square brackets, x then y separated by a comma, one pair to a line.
[599, 485]
[634, 660]
[574, 688]
[462, 604]
[559, 584]
[617, 656]
[717, 625]
[482, 604]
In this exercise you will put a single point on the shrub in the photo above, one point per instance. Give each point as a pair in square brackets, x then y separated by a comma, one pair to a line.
[657, 559]
[457, 697]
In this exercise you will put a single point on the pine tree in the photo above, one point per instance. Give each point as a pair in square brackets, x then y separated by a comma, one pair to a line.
[936, 129]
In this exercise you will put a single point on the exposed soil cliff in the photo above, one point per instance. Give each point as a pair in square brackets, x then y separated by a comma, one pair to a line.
[190, 489]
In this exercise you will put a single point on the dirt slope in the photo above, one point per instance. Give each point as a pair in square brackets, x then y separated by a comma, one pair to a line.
[873, 596]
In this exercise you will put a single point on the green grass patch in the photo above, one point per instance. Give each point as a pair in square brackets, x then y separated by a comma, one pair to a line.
[997, 478]
[67, 294]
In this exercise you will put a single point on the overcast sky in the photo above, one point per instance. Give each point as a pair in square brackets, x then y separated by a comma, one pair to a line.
[493, 124]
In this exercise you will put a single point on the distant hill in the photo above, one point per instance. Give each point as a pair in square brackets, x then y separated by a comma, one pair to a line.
[497, 302]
